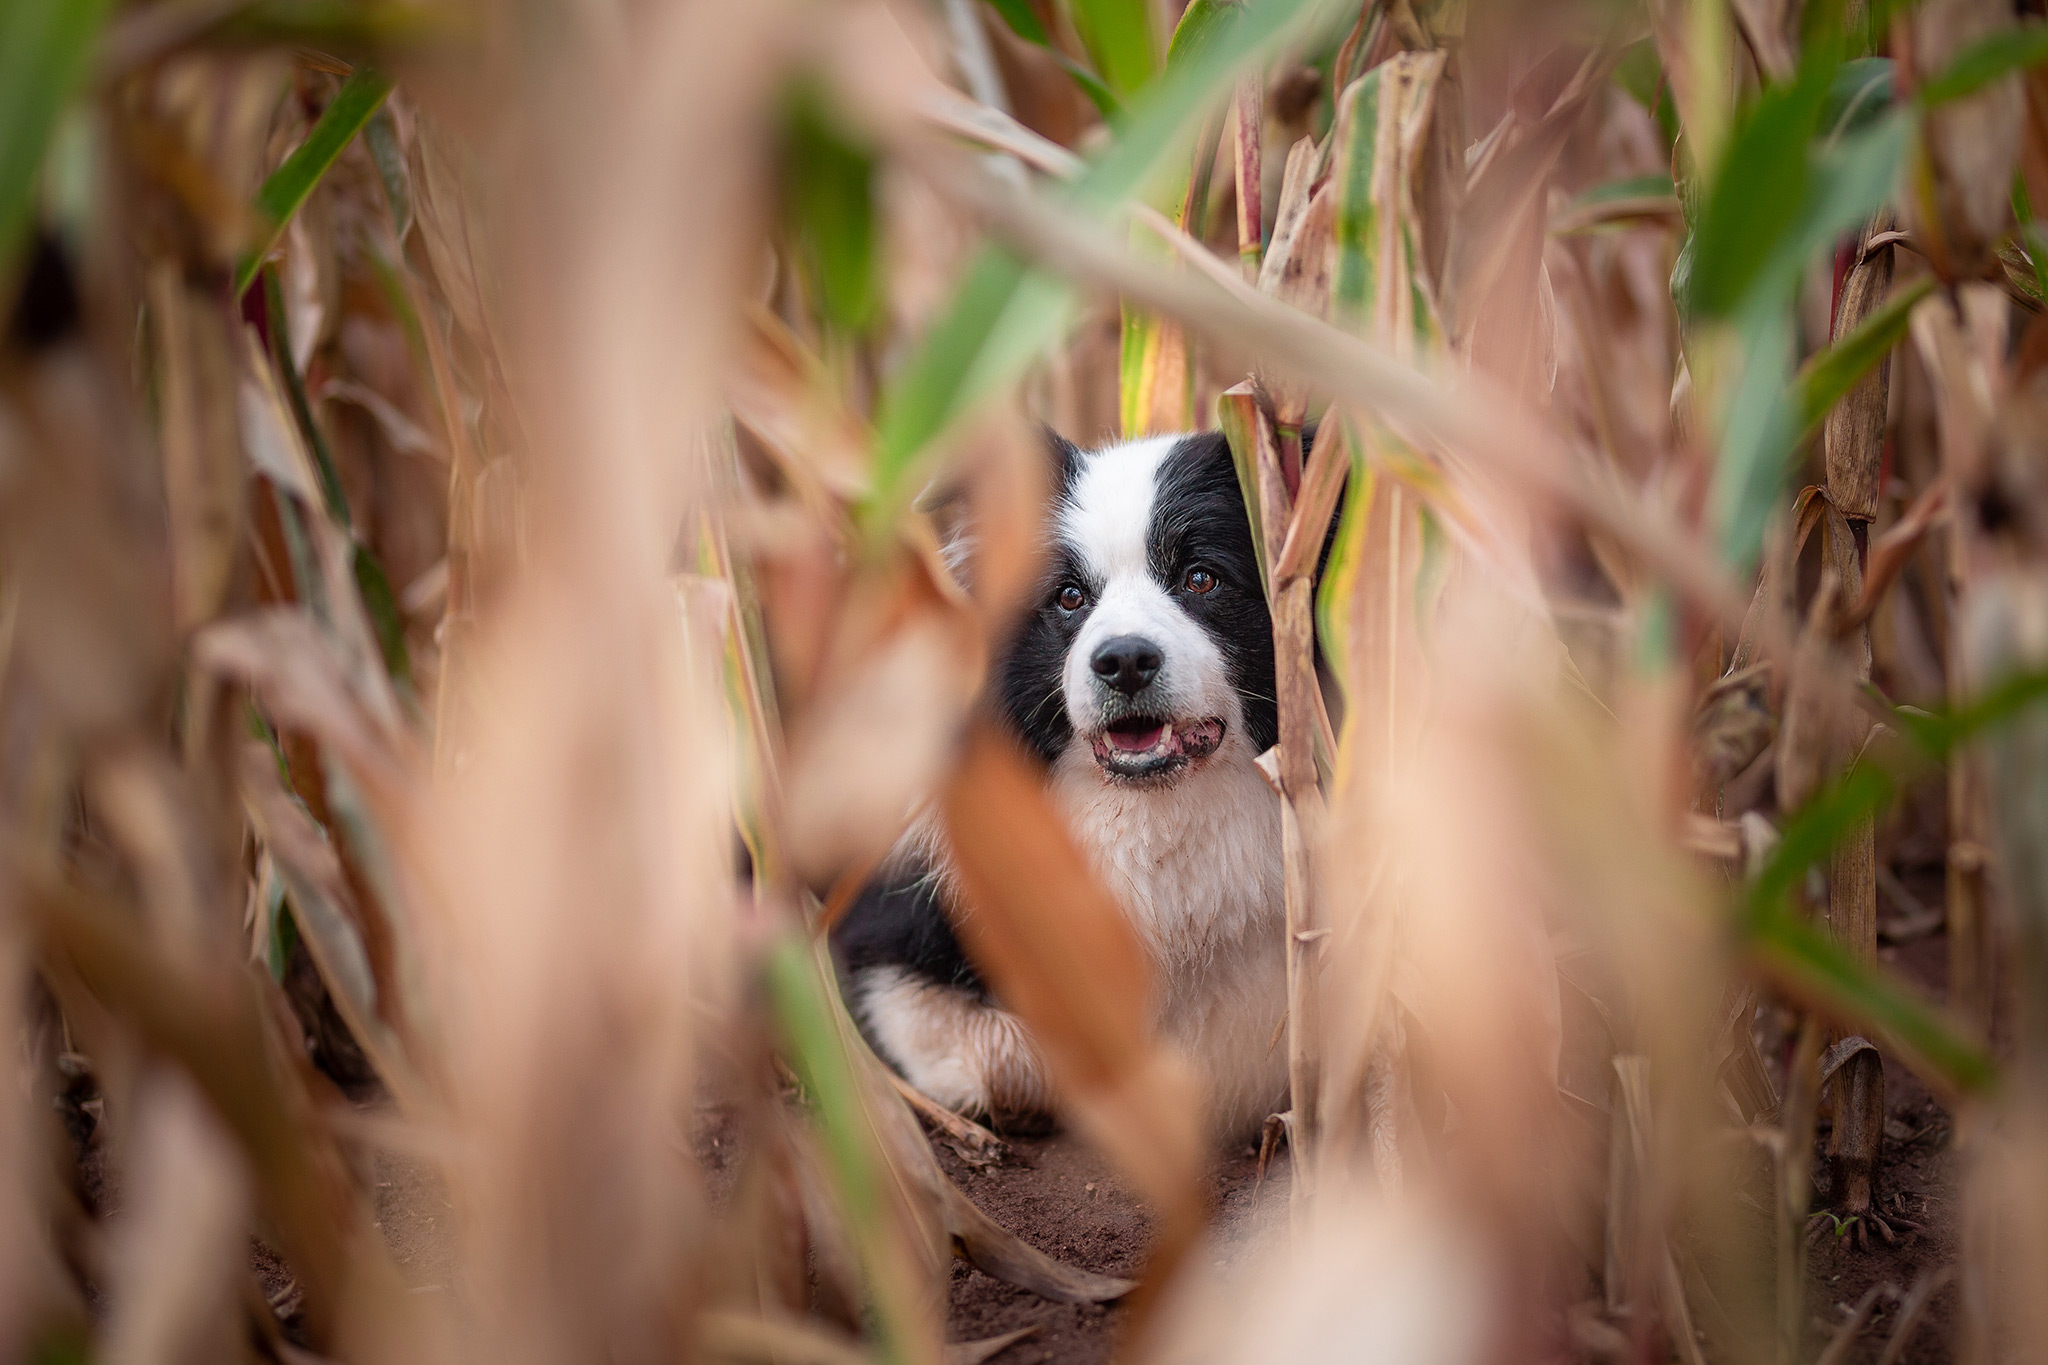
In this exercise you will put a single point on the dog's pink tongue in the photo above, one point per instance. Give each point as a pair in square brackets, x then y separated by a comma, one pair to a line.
[1135, 741]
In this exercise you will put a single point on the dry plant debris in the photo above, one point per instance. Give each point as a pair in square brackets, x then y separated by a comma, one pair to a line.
[472, 608]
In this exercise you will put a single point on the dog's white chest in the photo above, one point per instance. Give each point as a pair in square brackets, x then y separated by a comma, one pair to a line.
[1197, 867]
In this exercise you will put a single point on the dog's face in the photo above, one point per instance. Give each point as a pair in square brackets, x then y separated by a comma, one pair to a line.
[1150, 645]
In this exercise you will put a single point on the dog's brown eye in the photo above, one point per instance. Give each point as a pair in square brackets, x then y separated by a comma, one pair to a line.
[1201, 581]
[1071, 598]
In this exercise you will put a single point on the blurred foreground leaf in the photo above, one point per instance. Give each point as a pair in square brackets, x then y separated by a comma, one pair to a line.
[1024, 23]
[1858, 96]
[1118, 35]
[831, 206]
[819, 1056]
[1985, 62]
[45, 46]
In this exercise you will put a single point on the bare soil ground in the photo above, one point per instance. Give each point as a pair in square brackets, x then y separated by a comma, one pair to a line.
[1918, 1180]
[1060, 1196]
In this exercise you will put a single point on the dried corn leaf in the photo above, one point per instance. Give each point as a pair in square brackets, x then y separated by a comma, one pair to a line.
[1059, 952]
[1854, 434]
[203, 477]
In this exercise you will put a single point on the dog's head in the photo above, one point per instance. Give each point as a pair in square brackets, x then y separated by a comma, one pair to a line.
[1149, 645]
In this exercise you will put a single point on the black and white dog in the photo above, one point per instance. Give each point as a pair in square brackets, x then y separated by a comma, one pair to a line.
[1143, 677]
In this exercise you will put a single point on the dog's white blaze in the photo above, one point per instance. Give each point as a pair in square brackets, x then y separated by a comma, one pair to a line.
[1107, 524]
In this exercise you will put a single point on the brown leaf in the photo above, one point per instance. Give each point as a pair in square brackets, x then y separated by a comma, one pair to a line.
[282, 656]
[778, 391]
[203, 476]
[1733, 725]
[1854, 434]
[331, 923]
[1058, 951]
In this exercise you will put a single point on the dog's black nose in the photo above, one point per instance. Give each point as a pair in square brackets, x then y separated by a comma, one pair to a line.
[1127, 663]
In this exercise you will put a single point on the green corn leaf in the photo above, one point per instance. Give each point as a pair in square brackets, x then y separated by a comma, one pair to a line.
[817, 1051]
[1838, 190]
[1024, 23]
[1830, 373]
[1098, 92]
[1985, 62]
[346, 27]
[818, 1056]
[1861, 92]
[1640, 72]
[1201, 24]
[1145, 356]
[1793, 947]
[831, 207]
[1757, 196]
[302, 410]
[1119, 39]
[1805, 958]
[1003, 315]
[46, 47]
[387, 619]
[290, 184]
[1634, 187]
[1762, 428]
[2032, 238]
[1356, 277]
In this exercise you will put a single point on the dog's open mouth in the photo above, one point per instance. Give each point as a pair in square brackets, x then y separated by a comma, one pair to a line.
[1149, 746]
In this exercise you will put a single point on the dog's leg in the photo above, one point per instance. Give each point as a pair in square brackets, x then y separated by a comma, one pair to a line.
[969, 1055]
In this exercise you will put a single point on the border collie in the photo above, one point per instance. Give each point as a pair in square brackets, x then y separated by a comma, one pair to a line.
[1142, 675]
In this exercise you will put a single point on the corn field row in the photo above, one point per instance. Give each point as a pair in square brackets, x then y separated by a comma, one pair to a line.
[472, 609]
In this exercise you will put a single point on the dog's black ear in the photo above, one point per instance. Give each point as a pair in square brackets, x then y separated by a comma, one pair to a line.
[1065, 456]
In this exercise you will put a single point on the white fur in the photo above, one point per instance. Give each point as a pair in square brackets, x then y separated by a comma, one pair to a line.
[1106, 523]
[1197, 868]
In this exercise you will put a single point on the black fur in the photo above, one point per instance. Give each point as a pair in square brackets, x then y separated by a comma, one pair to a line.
[1198, 518]
[897, 921]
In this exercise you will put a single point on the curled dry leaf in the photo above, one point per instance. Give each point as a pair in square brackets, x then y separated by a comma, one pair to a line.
[1854, 434]
[1060, 953]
